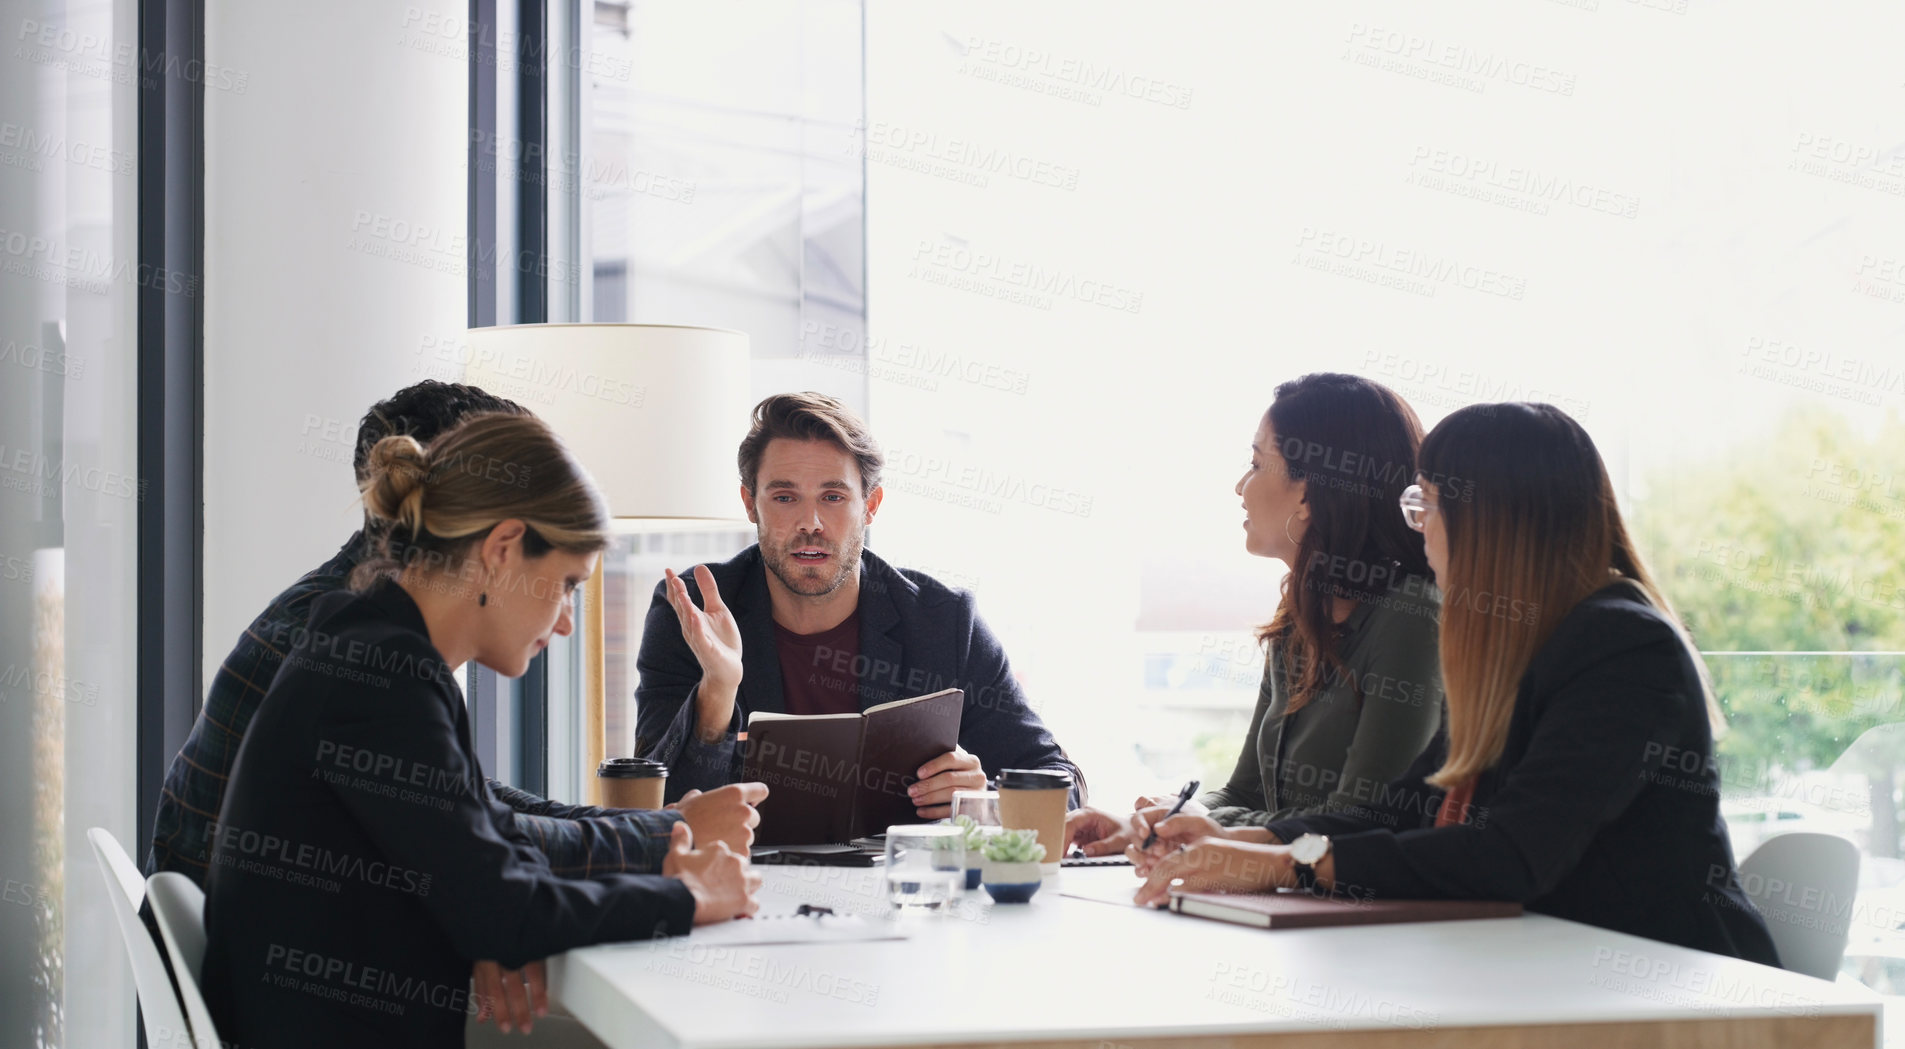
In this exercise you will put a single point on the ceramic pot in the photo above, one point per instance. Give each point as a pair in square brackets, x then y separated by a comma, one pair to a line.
[1011, 882]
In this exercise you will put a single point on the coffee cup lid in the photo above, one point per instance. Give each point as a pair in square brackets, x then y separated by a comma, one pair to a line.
[632, 768]
[1034, 779]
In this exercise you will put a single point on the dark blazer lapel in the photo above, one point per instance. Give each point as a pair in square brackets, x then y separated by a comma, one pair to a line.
[881, 675]
[760, 656]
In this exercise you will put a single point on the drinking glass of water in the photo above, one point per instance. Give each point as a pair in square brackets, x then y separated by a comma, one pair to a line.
[925, 865]
[981, 805]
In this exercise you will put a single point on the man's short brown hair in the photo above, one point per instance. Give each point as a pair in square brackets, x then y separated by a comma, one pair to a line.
[809, 416]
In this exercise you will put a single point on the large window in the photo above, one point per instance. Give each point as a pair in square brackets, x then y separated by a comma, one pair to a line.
[71, 491]
[717, 186]
[1146, 220]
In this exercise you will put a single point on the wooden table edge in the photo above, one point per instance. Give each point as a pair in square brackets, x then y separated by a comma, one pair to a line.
[1831, 1031]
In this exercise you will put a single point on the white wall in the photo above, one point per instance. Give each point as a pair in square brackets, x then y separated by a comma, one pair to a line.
[334, 232]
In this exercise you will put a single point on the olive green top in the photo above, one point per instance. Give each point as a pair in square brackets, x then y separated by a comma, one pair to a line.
[1362, 729]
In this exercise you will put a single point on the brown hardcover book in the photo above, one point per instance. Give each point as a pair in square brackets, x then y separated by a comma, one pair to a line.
[836, 777]
[1300, 910]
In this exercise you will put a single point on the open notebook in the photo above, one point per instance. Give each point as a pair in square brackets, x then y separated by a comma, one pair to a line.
[836, 777]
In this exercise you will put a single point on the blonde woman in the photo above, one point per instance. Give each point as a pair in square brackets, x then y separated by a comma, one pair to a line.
[362, 866]
[1575, 702]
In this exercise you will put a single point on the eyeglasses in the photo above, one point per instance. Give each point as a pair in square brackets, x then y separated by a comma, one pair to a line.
[1415, 511]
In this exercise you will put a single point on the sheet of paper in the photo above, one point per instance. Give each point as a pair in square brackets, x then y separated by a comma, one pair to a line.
[1103, 892]
[788, 928]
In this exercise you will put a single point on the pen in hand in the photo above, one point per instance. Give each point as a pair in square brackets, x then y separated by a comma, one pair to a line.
[1183, 796]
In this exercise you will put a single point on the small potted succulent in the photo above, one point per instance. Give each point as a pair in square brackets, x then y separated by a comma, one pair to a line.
[1011, 872]
[976, 834]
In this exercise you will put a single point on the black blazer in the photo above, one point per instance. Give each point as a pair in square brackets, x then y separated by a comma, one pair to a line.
[1604, 807]
[360, 864]
[917, 635]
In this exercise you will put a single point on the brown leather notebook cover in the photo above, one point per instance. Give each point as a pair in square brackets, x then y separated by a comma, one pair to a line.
[836, 777]
[807, 764]
[900, 737]
[1300, 910]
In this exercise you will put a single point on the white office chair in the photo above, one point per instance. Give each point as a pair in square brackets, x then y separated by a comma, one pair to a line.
[179, 904]
[1781, 875]
[125, 889]
[121, 872]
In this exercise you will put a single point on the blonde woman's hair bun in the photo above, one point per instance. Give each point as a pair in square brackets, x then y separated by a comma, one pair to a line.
[394, 480]
[488, 468]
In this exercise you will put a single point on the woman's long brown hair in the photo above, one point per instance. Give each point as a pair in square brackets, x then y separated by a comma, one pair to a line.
[1354, 441]
[1533, 528]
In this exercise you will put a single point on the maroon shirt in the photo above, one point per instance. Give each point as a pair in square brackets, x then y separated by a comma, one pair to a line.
[817, 669]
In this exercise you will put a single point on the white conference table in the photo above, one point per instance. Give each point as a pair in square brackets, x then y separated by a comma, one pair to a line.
[1061, 971]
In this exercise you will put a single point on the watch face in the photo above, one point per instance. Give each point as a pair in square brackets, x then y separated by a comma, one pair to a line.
[1309, 848]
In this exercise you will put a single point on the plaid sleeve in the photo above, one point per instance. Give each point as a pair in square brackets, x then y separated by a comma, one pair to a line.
[631, 842]
[533, 805]
[194, 788]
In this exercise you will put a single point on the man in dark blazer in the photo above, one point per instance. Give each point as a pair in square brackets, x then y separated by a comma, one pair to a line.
[807, 621]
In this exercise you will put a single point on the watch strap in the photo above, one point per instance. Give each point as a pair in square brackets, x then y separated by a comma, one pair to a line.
[1305, 877]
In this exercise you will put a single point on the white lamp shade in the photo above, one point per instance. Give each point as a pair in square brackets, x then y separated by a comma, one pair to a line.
[654, 412]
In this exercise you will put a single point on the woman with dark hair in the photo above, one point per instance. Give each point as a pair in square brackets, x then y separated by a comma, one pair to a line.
[1576, 702]
[362, 869]
[1350, 693]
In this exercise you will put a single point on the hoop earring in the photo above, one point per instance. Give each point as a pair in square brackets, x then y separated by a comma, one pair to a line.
[1286, 529]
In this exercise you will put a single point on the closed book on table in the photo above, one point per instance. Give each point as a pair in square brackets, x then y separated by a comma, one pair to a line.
[1301, 910]
[836, 777]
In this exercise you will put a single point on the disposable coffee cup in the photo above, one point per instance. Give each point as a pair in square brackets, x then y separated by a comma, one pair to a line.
[1036, 799]
[632, 783]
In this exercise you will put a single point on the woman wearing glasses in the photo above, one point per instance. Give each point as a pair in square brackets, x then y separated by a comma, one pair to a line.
[1576, 703]
[361, 867]
[1350, 692]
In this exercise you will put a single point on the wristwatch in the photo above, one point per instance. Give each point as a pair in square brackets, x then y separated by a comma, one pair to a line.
[1308, 850]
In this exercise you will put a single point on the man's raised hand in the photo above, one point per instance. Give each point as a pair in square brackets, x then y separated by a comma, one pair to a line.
[715, 638]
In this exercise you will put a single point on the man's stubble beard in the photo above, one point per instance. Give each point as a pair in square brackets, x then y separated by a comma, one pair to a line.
[779, 561]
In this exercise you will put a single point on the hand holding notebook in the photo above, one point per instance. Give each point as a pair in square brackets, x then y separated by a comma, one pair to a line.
[836, 777]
